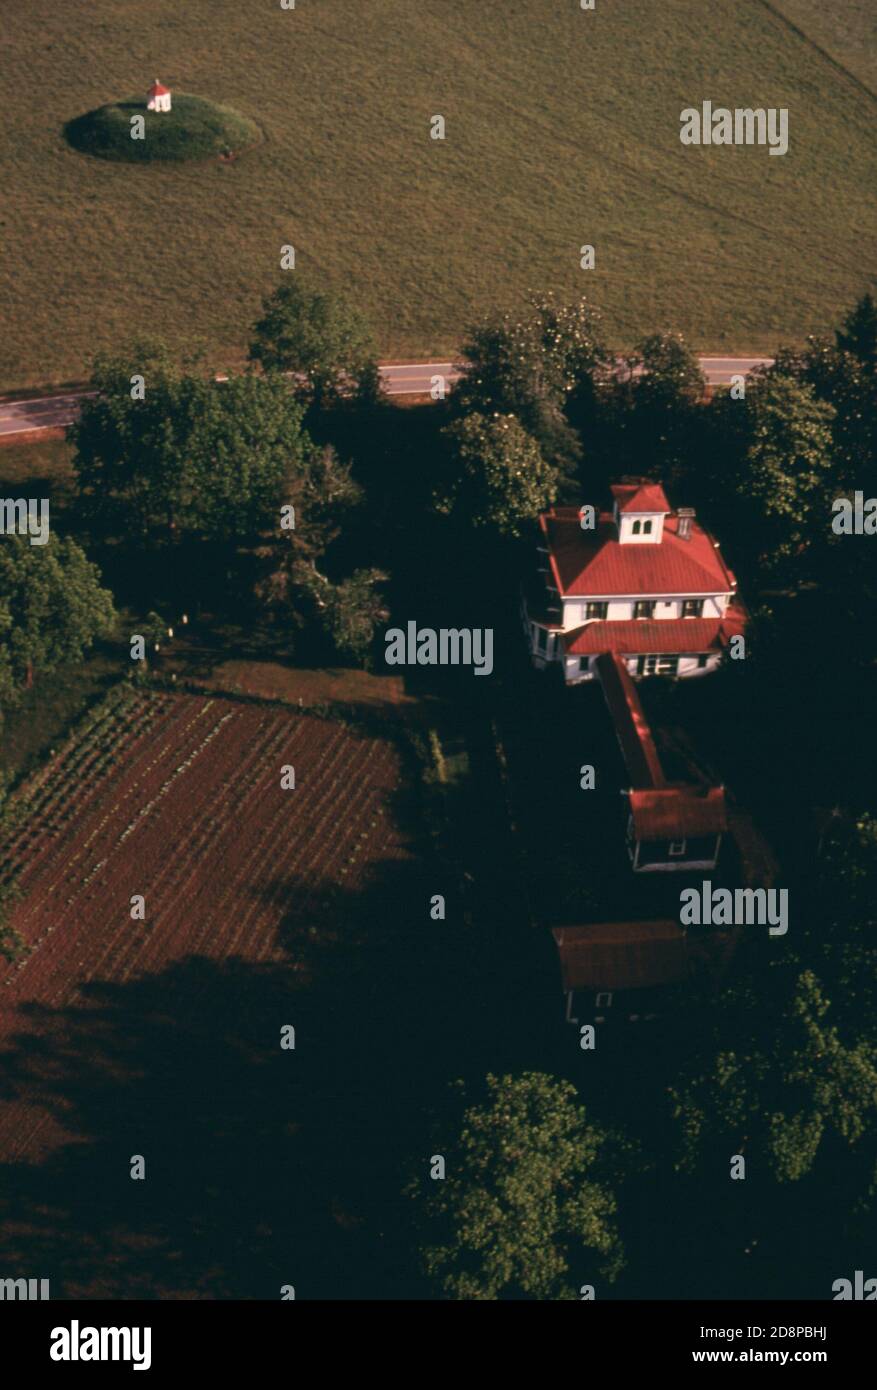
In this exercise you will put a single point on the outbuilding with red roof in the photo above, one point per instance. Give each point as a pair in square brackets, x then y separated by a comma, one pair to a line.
[670, 825]
[158, 98]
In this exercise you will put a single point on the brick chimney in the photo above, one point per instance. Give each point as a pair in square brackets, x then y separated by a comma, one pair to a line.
[685, 516]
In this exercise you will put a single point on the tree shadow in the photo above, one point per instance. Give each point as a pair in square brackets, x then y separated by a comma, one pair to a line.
[265, 1166]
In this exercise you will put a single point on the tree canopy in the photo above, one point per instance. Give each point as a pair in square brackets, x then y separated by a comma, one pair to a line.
[786, 477]
[788, 1082]
[293, 583]
[192, 456]
[528, 364]
[523, 1211]
[52, 609]
[318, 336]
[498, 477]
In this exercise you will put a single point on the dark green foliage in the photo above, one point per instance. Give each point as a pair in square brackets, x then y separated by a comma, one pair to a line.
[647, 419]
[293, 587]
[52, 609]
[319, 337]
[781, 1084]
[786, 473]
[348, 611]
[527, 364]
[498, 477]
[194, 456]
[524, 1210]
[858, 336]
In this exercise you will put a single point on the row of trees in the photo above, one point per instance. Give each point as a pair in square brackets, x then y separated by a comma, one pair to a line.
[166, 457]
[772, 457]
[165, 454]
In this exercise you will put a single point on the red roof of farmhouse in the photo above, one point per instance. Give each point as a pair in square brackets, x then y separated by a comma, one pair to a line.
[640, 497]
[595, 564]
[157, 90]
[672, 636]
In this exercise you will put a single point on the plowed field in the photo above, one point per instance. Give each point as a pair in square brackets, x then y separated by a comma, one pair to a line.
[178, 798]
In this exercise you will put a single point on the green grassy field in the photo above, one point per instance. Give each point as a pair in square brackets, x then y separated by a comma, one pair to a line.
[562, 129]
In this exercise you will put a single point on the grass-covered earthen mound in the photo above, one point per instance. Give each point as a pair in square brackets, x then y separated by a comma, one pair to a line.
[192, 129]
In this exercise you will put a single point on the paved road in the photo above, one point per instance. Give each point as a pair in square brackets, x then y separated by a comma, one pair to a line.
[400, 379]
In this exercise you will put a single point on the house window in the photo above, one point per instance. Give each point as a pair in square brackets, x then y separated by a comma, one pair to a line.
[692, 608]
[596, 610]
[677, 849]
[584, 663]
[604, 1001]
[657, 665]
[635, 528]
[701, 663]
[541, 638]
[647, 528]
[667, 665]
[643, 608]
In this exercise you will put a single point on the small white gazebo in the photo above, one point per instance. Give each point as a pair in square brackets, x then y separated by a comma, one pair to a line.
[158, 98]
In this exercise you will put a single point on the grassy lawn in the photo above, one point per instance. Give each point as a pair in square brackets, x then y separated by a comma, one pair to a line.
[562, 129]
[41, 469]
[335, 685]
[848, 31]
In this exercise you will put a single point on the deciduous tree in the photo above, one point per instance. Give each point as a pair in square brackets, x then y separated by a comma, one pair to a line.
[498, 478]
[527, 364]
[523, 1210]
[52, 609]
[318, 336]
[193, 456]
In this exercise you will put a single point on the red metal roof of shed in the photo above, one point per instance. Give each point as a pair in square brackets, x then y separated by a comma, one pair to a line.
[678, 812]
[621, 955]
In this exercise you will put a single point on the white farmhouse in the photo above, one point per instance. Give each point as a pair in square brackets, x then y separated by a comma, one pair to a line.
[158, 98]
[644, 582]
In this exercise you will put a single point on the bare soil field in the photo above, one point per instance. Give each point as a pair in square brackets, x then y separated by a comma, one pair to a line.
[179, 799]
[264, 908]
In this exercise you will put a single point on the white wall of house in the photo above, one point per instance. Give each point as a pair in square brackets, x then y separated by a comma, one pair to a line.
[546, 647]
[668, 865]
[574, 669]
[622, 609]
